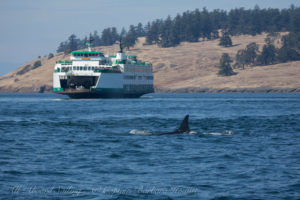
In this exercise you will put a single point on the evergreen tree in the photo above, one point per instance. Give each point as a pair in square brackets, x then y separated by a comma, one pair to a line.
[168, 35]
[225, 67]
[255, 20]
[62, 46]
[123, 32]
[72, 44]
[247, 56]
[288, 54]
[36, 64]
[96, 39]
[114, 35]
[106, 37]
[50, 55]
[130, 39]
[140, 30]
[153, 33]
[206, 24]
[294, 19]
[251, 53]
[268, 55]
[178, 28]
[147, 28]
[225, 40]
[290, 50]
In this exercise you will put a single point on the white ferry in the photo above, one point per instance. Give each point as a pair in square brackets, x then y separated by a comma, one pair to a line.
[90, 74]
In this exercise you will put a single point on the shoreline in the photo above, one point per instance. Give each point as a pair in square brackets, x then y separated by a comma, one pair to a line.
[228, 90]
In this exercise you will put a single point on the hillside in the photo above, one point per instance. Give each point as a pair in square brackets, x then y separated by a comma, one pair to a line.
[189, 67]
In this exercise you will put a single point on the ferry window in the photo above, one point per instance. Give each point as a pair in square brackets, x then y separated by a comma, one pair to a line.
[86, 55]
[80, 68]
[89, 68]
[77, 68]
[84, 68]
[74, 68]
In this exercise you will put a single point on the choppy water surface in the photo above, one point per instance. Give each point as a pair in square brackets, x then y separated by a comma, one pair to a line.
[245, 146]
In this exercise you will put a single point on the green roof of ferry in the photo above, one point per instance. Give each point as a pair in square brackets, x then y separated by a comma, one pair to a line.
[88, 52]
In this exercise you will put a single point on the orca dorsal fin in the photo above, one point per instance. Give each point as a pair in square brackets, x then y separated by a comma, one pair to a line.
[184, 126]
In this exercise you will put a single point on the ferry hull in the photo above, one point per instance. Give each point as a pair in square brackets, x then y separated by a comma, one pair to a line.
[103, 94]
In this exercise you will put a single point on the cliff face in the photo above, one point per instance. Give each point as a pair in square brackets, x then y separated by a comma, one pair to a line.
[189, 67]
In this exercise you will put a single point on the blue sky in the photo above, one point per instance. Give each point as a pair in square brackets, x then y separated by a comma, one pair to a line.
[32, 28]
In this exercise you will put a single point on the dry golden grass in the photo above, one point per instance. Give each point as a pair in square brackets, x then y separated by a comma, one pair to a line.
[185, 68]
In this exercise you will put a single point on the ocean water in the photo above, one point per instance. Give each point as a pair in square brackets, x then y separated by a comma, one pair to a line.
[243, 146]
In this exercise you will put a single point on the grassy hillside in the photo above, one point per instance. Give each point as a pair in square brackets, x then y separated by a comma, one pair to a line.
[189, 67]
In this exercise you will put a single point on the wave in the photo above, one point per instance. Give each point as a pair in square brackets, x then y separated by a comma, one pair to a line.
[145, 132]
[227, 132]
[140, 132]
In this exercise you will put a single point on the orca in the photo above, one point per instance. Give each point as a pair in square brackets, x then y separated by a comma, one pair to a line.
[183, 128]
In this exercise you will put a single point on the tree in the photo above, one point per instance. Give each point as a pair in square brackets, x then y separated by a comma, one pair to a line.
[225, 40]
[251, 53]
[290, 50]
[96, 39]
[206, 24]
[130, 39]
[62, 46]
[153, 33]
[268, 55]
[50, 56]
[36, 64]
[123, 32]
[168, 36]
[140, 30]
[240, 58]
[295, 19]
[109, 36]
[288, 54]
[72, 44]
[247, 56]
[225, 67]
[114, 35]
